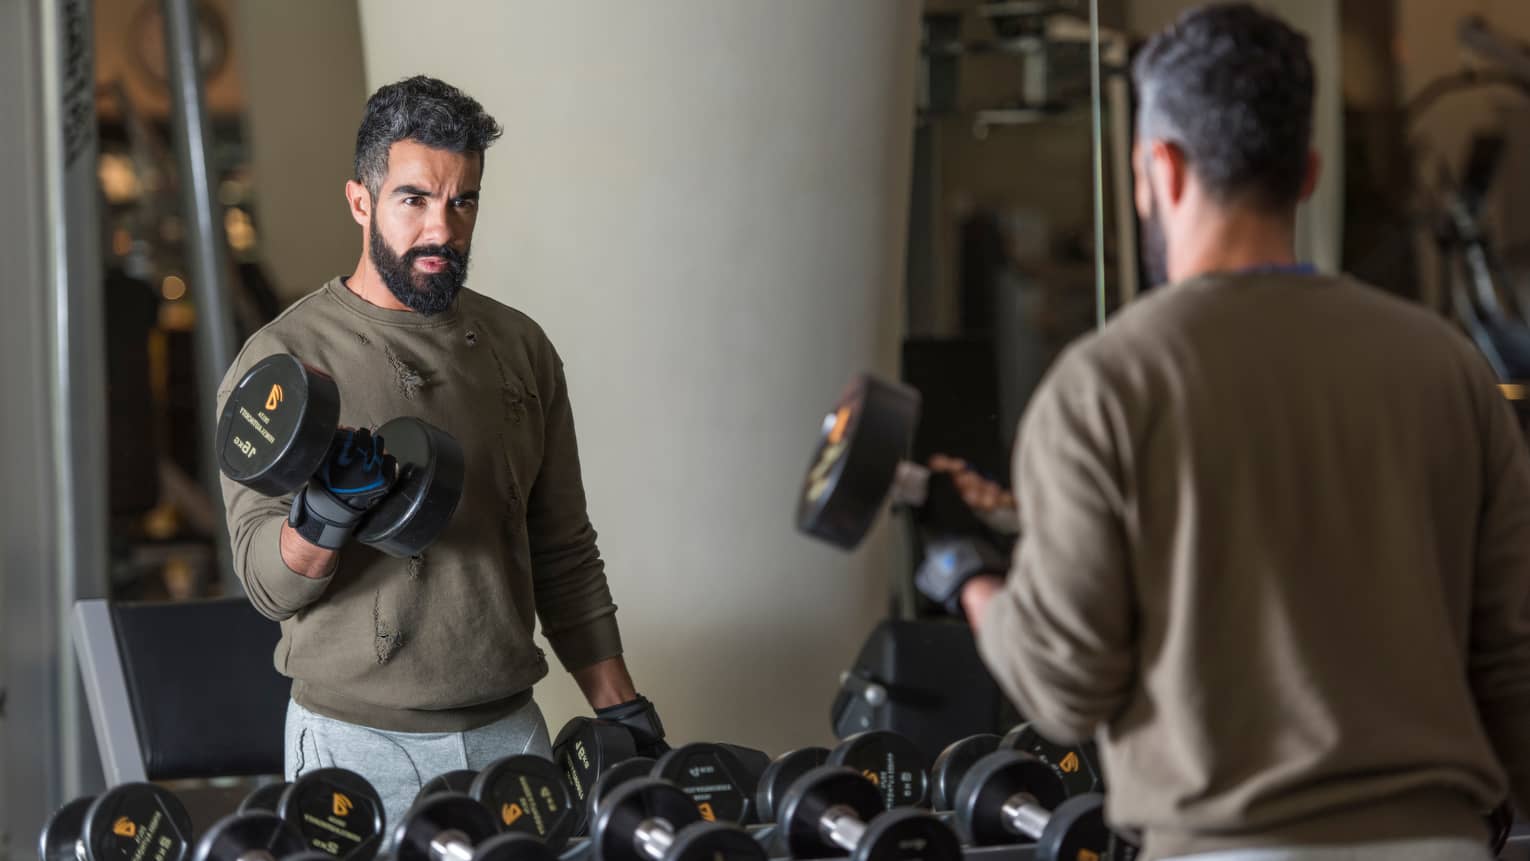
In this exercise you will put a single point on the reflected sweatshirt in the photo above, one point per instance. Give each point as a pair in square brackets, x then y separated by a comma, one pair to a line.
[441, 642]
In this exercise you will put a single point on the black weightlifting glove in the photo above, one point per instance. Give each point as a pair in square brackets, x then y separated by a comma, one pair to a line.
[355, 476]
[641, 719]
[948, 564]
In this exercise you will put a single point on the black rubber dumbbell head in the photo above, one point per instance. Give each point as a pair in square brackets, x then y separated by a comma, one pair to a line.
[135, 814]
[337, 811]
[809, 798]
[890, 761]
[527, 794]
[780, 775]
[952, 764]
[276, 425]
[442, 813]
[633, 805]
[233, 837]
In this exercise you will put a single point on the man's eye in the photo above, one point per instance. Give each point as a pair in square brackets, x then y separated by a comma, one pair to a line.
[464, 203]
[412, 201]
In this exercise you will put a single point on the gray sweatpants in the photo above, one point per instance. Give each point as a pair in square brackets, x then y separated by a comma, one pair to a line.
[399, 763]
[1440, 849]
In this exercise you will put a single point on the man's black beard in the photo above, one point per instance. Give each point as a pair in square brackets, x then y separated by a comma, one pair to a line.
[427, 293]
[1155, 247]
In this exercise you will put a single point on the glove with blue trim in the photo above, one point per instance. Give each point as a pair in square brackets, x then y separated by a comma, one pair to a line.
[356, 474]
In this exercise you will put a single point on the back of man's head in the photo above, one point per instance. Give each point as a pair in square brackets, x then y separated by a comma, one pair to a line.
[1231, 86]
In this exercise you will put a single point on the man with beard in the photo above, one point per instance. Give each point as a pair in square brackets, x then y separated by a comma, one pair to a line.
[1275, 525]
[404, 669]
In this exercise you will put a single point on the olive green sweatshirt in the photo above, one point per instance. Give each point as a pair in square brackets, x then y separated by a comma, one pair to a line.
[1277, 555]
[441, 642]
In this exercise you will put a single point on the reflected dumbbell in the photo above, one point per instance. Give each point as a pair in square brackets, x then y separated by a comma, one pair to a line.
[264, 798]
[782, 772]
[650, 820]
[890, 761]
[275, 431]
[452, 781]
[450, 826]
[255, 835]
[527, 795]
[134, 820]
[1011, 797]
[952, 765]
[716, 779]
[859, 465]
[834, 810]
[336, 811]
[622, 772]
[1077, 766]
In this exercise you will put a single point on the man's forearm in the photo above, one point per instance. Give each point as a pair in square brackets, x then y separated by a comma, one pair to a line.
[309, 560]
[606, 683]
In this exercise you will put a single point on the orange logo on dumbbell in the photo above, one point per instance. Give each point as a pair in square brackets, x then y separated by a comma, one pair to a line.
[1088, 855]
[510, 813]
[274, 399]
[124, 827]
[342, 805]
[707, 812]
[873, 777]
[1069, 765]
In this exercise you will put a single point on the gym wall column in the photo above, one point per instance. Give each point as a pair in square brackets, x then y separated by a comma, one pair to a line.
[704, 205]
[53, 537]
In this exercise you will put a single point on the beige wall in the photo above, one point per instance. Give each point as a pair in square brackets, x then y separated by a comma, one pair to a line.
[1320, 222]
[304, 87]
[704, 205]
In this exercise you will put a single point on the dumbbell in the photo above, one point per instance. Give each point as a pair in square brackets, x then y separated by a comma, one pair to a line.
[584, 749]
[1011, 797]
[952, 765]
[527, 795]
[1077, 766]
[859, 463]
[263, 798]
[619, 773]
[276, 428]
[256, 835]
[336, 812]
[450, 826]
[781, 773]
[650, 820]
[452, 781]
[890, 761]
[724, 774]
[834, 810]
[716, 779]
[134, 820]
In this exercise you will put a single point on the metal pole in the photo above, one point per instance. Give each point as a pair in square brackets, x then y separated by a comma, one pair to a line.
[1099, 163]
[214, 327]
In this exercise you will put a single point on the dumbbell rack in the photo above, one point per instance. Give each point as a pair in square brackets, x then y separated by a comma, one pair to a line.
[1518, 849]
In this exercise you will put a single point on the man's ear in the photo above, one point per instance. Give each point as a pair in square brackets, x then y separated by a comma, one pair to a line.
[1170, 171]
[359, 200]
[1314, 172]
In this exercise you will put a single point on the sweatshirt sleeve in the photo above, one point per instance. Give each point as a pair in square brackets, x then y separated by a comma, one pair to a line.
[569, 578]
[1059, 638]
[1499, 658]
[254, 530]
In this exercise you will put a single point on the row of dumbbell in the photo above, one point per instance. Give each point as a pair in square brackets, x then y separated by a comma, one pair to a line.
[339, 814]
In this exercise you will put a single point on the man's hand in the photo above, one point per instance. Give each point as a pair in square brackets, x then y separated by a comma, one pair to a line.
[356, 474]
[976, 593]
[981, 494]
[608, 687]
